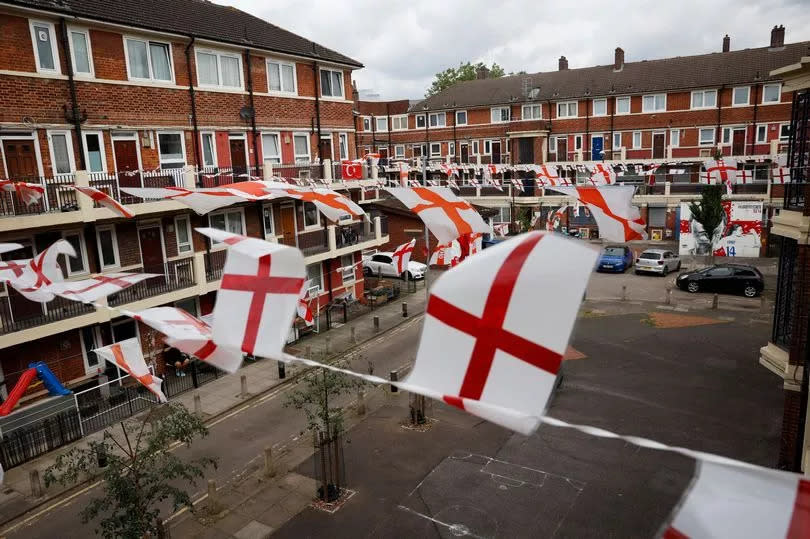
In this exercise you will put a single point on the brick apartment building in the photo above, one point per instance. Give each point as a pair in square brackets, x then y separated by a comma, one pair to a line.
[138, 93]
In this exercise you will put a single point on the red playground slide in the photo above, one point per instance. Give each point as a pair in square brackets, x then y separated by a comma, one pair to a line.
[17, 392]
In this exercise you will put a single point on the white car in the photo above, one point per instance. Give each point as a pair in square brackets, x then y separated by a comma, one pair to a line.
[383, 264]
[658, 261]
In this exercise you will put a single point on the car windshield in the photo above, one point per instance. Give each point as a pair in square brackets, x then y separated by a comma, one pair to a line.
[651, 256]
[614, 251]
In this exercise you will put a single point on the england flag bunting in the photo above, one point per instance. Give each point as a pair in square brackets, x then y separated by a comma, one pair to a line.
[95, 288]
[402, 255]
[28, 193]
[743, 502]
[449, 169]
[202, 200]
[476, 243]
[744, 176]
[37, 275]
[501, 229]
[548, 175]
[721, 171]
[446, 254]
[602, 175]
[555, 217]
[258, 295]
[8, 247]
[612, 208]
[331, 204]
[127, 356]
[781, 175]
[446, 215]
[11, 270]
[303, 309]
[452, 183]
[190, 335]
[106, 200]
[495, 354]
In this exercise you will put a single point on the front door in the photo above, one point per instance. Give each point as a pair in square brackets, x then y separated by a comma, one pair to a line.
[496, 151]
[326, 149]
[238, 158]
[562, 149]
[126, 163]
[659, 145]
[288, 226]
[526, 151]
[738, 142]
[597, 143]
[21, 309]
[465, 152]
[21, 160]
[151, 249]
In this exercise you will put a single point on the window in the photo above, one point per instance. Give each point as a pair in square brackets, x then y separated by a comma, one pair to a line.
[771, 93]
[577, 142]
[208, 150]
[331, 83]
[500, 114]
[600, 107]
[530, 112]
[622, 105]
[182, 228]
[107, 246]
[784, 131]
[80, 55]
[437, 119]
[382, 123]
[61, 152]
[461, 117]
[726, 135]
[552, 144]
[219, 69]
[76, 264]
[740, 96]
[315, 275]
[420, 121]
[347, 263]
[675, 137]
[281, 77]
[399, 123]
[636, 140]
[267, 221]
[487, 147]
[435, 149]
[417, 151]
[45, 52]
[706, 136]
[232, 220]
[762, 134]
[172, 150]
[311, 217]
[451, 148]
[94, 158]
[89, 343]
[567, 109]
[617, 141]
[383, 259]
[301, 144]
[343, 145]
[270, 147]
[149, 60]
[654, 103]
[399, 151]
[702, 99]
[366, 123]
[475, 147]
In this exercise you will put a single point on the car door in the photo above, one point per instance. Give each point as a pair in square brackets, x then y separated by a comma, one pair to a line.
[742, 278]
[718, 280]
[673, 261]
[384, 265]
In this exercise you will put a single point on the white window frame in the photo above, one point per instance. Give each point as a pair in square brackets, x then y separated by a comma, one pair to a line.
[219, 54]
[645, 109]
[57, 65]
[577, 142]
[69, 143]
[298, 157]
[438, 153]
[451, 149]
[320, 275]
[423, 118]
[702, 94]
[779, 96]
[466, 117]
[384, 120]
[281, 63]
[437, 116]
[476, 148]
[764, 139]
[114, 238]
[781, 126]
[725, 137]
[75, 30]
[342, 83]
[500, 120]
[700, 133]
[397, 153]
[531, 107]
[552, 144]
[637, 134]
[275, 159]
[151, 78]
[747, 96]
[616, 135]
[675, 138]
[268, 234]
[487, 147]
[399, 122]
[182, 145]
[224, 211]
[420, 148]
[100, 135]
[622, 99]
[83, 244]
[213, 136]
[317, 225]
[367, 123]
[603, 101]
[187, 218]
[353, 275]
[566, 105]
[343, 145]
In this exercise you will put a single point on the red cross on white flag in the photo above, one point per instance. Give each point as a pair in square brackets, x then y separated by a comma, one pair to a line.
[403, 174]
[106, 200]
[258, 295]
[41, 272]
[128, 357]
[781, 175]
[452, 183]
[555, 217]
[722, 171]
[547, 175]
[201, 200]
[402, 255]
[95, 288]
[612, 208]
[500, 229]
[449, 169]
[28, 193]
[445, 214]
[485, 347]
[602, 175]
[303, 309]
[445, 254]
[742, 501]
[331, 204]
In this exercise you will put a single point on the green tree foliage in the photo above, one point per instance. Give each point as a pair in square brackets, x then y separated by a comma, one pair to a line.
[464, 71]
[709, 211]
[524, 219]
[141, 471]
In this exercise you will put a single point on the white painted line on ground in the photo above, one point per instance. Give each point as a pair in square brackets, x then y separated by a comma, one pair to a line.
[50, 508]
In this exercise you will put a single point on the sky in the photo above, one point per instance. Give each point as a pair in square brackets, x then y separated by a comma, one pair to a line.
[403, 44]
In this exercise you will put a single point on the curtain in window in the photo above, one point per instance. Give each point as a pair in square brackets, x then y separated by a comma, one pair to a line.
[337, 83]
[207, 69]
[275, 77]
[44, 47]
[60, 154]
[326, 83]
[138, 63]
[81, 56]
[288, 78]
[161, 69]
[230, 71]
[105, 240]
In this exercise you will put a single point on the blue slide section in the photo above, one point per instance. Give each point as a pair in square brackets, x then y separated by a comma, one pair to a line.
[49, 380]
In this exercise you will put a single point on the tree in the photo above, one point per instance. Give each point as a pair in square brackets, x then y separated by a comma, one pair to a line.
[524, 219]
[464, 71]
[709, 211]
[141, 471]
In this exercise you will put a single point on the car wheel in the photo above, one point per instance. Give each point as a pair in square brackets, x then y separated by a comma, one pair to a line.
[693, 287]
[666, 271]
[367, 271]
[406, 275]
[750, 291]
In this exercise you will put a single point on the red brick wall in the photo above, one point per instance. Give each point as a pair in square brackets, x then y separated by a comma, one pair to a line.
[61, 352]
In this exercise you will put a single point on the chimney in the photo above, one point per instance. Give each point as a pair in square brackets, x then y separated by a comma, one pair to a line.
[778, 37]
[355, 93]
[618, 59]
[482, 73]
[726, 43]
[563, 63]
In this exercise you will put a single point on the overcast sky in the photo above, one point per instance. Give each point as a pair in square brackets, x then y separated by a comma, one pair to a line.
[403, 44]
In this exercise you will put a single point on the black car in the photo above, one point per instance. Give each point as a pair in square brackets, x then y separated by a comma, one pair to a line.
[723, 279]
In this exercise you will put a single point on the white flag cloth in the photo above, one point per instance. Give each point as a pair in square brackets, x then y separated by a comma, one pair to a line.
[743, 502]
[303, 309]
[402, 255]
[39, 273]
[612, 208]
[331, 204]
[602, 175]
[500, 229]
[445, 214]
[554, 217]
[7, 247]
[258, 295]
[721, 171]
[485, 347]
[95, 288]
[781, 175]
[190, 335]
[446, 254]
[201, 200]
[29, 193]
[127, 355]
[547, 175]
[105, 200]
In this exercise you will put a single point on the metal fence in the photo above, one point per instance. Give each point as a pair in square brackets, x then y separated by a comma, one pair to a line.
[172, 275]
[195, 374]
[314, 242]
[216, 176]
[112, 182]
[57, 195]
[28, 442]
[18, 313]
[214, 263]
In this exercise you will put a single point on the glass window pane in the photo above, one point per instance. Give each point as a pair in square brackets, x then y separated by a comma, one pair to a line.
[697, 100]
[60, 154]
[105, 240]
[274, 77]
[337, 83]
[326, 83]
[42, 35]
[159, 54]
[230, 71]
[81, 56]
[314, 274]
[270, 145]
[75, 263]
[217, 221]
[310, 214]
[208, 149]
[300, 145]
[182, 231]
[93, 147]
[267, 214]
[709, 99]
[234, 222]
[287, 78]
[207, 69]
[171, 147]
[138, 63]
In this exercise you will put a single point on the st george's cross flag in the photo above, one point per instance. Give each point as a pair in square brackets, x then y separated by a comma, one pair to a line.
[403, 174]
[555, 216]
[331, 204]
[42, 271]
[721, 171]
[602, 175]
[781, 175]
[258, 295]
[445, 214]
[446, 254]
[500, 229]
[127, 356]
[547, 175]
[28, 193]
[8, 247]
[303, 309]
[190, 335]
[743, 502]
[612, 208]
[202, 200]
[449, 169]
[485, 347]
[94, 288]
[105, 200]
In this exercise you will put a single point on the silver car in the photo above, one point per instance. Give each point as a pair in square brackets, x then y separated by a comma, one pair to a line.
[658, 261]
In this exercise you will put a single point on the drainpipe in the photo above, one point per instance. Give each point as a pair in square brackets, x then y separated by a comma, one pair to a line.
[356, 137]
[193, 98]
[75, 114]
[388, 115]
[585, 144]
[373, 133]
[253, 112]
[719, 128]
[426, 155]
[456, 149]
[754, 121]
[318, 112]
[550, 129]
[612, 113]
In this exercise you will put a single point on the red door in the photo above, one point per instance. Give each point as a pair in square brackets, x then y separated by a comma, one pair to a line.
[326, 149]
[738, 142]
[126, 163]
[238, 159]
[659, 143]
[151, 249]
[562, 149]
[21, 160]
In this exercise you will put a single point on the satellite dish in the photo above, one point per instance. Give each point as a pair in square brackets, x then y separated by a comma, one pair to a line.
[246, 113]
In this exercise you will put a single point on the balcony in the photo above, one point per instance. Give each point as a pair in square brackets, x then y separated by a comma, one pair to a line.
[18, 313]
[173, 275]
[314, 242]
[58, 197]
[112, 182]
[214, 262]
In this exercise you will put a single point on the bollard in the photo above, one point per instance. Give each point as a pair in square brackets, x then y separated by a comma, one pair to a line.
[282, 370]
[763, 305]
[353, 336]
[197, 405]
[669, 296]
[269, 466]
[624, 292]
[243, 380]
[36, 485]
[394, 376]
[404, 310]
[361, 402]
[328, 345]
[308, 352]
[715, 301]
[376, 323]
[213, 505]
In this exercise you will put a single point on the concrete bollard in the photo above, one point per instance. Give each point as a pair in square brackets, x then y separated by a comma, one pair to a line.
[763, 304]
[376, 323]
[404, 310]
[269, 465]
[328, 346]
[361, 402]
[308, 352]
[243, 381]
[715, 301]
[282, 370]
[213, 502]
[394, 376]
[36, 484]
[624, 292]
[669, 296]
[197, 405]
[353, 336]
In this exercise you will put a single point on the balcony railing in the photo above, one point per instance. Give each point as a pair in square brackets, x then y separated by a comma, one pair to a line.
[58, 196]
[314, 242]
[346, 235]
[172, 276]
[216, 176]
[214, 263]
[18, 313]
[111, 182]
[304, 171]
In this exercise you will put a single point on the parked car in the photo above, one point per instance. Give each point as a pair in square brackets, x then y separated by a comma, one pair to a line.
[383, 264]
[615, 258]
[658, 261]
[724, 279]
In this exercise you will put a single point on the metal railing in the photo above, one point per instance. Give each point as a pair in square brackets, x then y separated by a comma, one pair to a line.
[18, 313]
[111, 182]
[110, 402]
[29, 442]
[173, 275]
[214, 263]
[313, 171]
[57, 196]
[352, 234]
[314, 242]
[195, 374]
[216, 176]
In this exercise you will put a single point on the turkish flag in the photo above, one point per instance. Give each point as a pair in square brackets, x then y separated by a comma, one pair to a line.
[351, 170]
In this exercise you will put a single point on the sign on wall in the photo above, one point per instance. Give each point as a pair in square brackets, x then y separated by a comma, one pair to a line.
[739, 234]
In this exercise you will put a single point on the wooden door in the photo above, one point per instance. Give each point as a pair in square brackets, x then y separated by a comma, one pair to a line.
[526, 150]
[151, 249]
[238, 159]
[326, 149]
[21, 308]
[21, 160]
[465, 153]
[126, 162]
[659, 145]
[562, 149]
[496, 152]
[738, 142]
[288, 226]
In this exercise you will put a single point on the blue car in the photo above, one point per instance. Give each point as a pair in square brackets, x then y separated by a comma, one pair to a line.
[615, 258]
